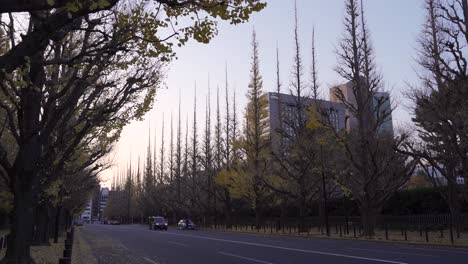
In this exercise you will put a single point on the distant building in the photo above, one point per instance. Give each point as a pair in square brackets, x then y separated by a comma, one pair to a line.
[103, 200]
[380, 100]
[96, 205]
[86, 215]
[286, 104]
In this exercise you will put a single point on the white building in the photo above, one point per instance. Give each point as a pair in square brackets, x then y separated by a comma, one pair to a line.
[86, 215]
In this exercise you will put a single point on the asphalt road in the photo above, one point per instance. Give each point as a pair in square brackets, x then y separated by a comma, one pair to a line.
[180, 247]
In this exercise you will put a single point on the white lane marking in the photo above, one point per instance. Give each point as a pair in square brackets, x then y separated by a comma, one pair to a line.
[175, 243]
[124, 247]
[246, 258]
[290, 249]
[394, 252]
[436, 249]
[150, 260]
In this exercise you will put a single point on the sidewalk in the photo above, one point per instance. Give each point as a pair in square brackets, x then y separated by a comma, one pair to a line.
[98, 248]
[81, 253]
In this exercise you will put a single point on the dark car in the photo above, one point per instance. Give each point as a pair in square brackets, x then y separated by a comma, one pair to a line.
[158, 223]
[186, 224]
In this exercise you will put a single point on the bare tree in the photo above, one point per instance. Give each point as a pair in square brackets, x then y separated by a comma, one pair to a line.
[186, 149]
[374, 169]
[277, 134]
[294, 170]
[194, 159]
[465, 16]
[178, 156]
[227, 123]
[218, 155]
[218, 135]
[207, 160]
[155, 159]
[248, 182]
[314, 74]
[440, 101]
[171, 153]
[162, 177]
[235, 130]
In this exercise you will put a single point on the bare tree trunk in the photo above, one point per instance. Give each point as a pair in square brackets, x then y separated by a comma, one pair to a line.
[24, 171]
[41, 232]
[452, 197]
[282, 213]
[302, 210]
[368, 218]
[227, 209]
[57, 223]
[21, 230]
[258, 217]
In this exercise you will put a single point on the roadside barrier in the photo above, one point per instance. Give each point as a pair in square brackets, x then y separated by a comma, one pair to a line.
[436, 229]
[3, 242]
[67, 252]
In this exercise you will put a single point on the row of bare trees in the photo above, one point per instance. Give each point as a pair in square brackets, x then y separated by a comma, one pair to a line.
[308, 158]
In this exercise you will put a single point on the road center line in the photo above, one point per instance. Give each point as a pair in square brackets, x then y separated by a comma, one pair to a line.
[246, 258]
[394, 252]
[150, 260]
[175, 243]
[287, 248]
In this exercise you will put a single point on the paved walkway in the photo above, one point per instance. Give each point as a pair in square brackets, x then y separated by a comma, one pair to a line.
[98, 248]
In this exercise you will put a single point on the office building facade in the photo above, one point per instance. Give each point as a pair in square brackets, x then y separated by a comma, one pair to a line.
[380, 107]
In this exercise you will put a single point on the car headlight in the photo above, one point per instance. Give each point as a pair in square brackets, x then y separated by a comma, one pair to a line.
[165, 224]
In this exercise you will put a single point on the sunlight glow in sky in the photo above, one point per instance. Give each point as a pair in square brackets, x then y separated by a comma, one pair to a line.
[394, 25]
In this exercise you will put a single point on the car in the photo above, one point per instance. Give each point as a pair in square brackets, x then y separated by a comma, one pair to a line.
[79, 222]
[186, 224]
[113, 222]
[157, 223]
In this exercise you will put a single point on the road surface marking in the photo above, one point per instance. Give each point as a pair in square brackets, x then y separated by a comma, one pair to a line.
[290, 249]
[394, 252]
[441, 250]
[150, 260]
[124, 247]
[246, 258]
[175, 243]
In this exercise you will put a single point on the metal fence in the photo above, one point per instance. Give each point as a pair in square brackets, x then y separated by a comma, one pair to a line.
[444, 229]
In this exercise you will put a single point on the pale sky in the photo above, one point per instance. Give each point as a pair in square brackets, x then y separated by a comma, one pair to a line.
[395, 26]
